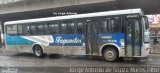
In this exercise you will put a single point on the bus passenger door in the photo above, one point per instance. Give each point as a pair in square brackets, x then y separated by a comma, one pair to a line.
[133, 38]
[91, 37]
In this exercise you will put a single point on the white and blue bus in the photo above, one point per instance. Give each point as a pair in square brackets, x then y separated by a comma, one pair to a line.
[111, 34]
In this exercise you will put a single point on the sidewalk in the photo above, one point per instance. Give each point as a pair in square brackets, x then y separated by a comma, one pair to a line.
[154, 56]
[1, 50]
[155, 49]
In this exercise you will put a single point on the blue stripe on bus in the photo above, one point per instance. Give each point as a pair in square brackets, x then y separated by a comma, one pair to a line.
[117, 38]
[17, 40]
[69, 39]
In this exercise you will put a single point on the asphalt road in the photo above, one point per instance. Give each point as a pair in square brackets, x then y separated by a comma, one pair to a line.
[53, 63]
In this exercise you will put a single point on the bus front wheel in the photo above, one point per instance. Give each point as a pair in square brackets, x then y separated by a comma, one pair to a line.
[110, 54]
[37, 51]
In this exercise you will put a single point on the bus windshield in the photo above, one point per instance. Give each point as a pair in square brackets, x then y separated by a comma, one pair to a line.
[145, 22]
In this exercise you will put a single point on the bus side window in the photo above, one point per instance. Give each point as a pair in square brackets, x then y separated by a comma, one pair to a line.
[117, 24]
[67, 27]
[105, 26]
[111, 25]
[20, 29]
[46, 29]
[56, 28]
[53, 27]
[11, 29]
[33, 29]
[80, 27]
[40, 29]
[26, 30]
[71, 27]
[23, 29]
[63, 28]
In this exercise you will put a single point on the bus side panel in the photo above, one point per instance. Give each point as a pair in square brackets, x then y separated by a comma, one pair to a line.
[18, 44]
[73, 44]
[117, 39]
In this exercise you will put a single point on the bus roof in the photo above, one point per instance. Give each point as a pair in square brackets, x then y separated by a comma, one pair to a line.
[96, 14]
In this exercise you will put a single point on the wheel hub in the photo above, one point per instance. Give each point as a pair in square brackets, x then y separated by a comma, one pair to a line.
[110, 54]
[38, 52]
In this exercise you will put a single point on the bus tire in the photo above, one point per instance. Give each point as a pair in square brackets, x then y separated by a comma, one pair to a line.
[37, 51]
[110, 54]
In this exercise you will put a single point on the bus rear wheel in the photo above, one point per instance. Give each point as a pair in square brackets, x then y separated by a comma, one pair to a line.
[37, 51]
[110, 54]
